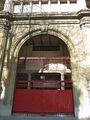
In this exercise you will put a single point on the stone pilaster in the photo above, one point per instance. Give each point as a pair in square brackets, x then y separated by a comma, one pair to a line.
[3, 42]
[3, 47]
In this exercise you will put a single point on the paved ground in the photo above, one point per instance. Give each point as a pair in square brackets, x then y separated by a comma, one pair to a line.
[36, 118]
[39, 118]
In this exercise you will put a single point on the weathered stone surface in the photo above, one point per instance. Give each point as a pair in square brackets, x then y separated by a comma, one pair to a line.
[76, 37]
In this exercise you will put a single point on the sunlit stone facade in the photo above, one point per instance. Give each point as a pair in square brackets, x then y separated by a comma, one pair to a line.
[69, 20]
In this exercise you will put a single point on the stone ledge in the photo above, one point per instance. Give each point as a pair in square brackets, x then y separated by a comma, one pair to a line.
[45, 16]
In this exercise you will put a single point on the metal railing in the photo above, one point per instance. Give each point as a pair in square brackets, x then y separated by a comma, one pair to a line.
[43, 84]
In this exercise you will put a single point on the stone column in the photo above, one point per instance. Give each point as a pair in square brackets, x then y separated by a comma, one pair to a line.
[84, 100]
[3, 43]
[3, 71]
[84, 68]
[9, 93]
[4, 68]
[1, 46]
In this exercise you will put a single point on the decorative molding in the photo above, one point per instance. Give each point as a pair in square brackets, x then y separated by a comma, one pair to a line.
[45, 16]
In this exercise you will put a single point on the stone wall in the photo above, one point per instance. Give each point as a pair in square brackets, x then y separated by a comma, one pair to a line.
[73, 29]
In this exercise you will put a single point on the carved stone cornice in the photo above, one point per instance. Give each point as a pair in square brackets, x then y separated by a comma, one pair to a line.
[73, 16]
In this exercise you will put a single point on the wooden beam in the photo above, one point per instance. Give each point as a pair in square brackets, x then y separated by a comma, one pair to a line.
[53, 1]
[88, 3]
[44, 1]
[73, 1]
[35, 1]
[63, 1]
[17, 2]
[2, 2]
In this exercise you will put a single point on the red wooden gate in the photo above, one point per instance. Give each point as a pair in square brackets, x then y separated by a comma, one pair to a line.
[44, 96]
[43, 101]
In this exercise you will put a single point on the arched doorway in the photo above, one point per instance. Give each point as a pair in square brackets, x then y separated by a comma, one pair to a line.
[43, 79]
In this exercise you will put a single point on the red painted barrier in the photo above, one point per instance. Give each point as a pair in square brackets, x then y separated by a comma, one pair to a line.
[43, 101]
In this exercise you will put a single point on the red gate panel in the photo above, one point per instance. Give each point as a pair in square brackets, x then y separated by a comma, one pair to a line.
[43, 101]
[65, 101]
[49, 101]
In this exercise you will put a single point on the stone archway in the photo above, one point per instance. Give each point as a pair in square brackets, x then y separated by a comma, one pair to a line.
[79, 93]
[15, 49]
[14, 58]
[20, 42]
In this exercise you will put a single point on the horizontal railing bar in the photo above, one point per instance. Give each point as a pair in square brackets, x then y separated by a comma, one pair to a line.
[44, 58]
[43, 81]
